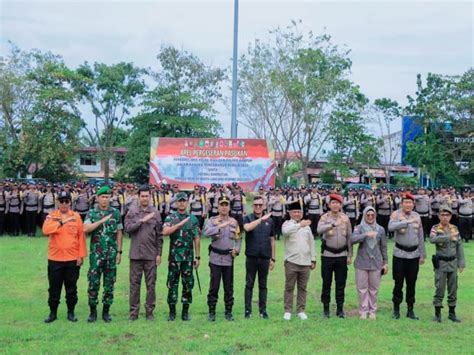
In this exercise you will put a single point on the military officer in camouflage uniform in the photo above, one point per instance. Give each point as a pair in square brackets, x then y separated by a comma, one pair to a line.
[183, 230]
[448, 259]
[105, 227]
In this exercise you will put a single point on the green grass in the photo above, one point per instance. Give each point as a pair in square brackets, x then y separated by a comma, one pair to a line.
[23, 306]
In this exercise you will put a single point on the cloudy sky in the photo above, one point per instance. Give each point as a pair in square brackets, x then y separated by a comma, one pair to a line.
[390, 41]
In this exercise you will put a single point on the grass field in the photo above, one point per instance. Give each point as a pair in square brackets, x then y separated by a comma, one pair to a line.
[23, 306]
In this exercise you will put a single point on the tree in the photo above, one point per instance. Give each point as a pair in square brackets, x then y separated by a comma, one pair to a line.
[288, 89]
[385, 111]
[181, 105]
[111, 91]
[443, 106]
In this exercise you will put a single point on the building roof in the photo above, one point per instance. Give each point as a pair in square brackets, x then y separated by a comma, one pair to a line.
[96, 149]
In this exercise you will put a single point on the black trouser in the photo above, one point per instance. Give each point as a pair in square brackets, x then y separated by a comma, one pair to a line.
[240, 220]
[433, 221]
[353, 222]
[383, 221]
[404, 270]
[226, 273]
[59, 273]
[465, 227]
[30, 222]
[254, 265]
[425, 222]
[15, 225]
[314, 218]
[277, 222]
[455, 220]
[2, 222]
[200, 219]
[338, 266]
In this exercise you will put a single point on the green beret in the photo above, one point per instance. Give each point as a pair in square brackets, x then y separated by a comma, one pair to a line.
[181, 196]
[104, 190]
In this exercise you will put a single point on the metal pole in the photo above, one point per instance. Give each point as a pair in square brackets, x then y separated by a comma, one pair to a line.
[233, 124]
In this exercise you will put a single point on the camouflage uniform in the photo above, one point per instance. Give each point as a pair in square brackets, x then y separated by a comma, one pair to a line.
[181, 256]
[102, 254]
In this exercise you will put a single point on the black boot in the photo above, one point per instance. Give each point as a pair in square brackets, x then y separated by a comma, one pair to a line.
[70, 315]
[410, 313]
[53, 310]
[105, 314]
[340, 311]
[396, 311]
[172, 315]
[228, 313]
[452, 315]
[93, 315]
[185, 314]
[212, 314]
[437, 317]
[326, 311]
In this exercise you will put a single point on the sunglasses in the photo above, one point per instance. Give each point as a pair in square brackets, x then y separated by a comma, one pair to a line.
[65, 201]
[257, 205]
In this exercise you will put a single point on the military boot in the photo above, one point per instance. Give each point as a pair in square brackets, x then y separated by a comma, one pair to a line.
[212, 314]
[340, 311]
[452, 315]
[326, 312]
[70, 314]
[172, 315]
[52, 314]
[228, 313]
[396, 311]
[437, 317]
[105, 314]
[185, 314]
[93, 315]
[410, 313]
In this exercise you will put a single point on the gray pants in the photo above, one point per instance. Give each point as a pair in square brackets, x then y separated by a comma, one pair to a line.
[442, 279]
[295, 274]
[137, 269]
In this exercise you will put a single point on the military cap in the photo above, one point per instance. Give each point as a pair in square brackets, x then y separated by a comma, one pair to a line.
[446, 208]
[466, 189]
[336, 197]
[104, 190]
[64, 195]
[409, 196]
[223, 199]
[181, 196]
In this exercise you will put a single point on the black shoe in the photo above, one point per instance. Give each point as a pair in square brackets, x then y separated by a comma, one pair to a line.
[264, 315]
[437, 317]
[396, 311]
[248, 314]
[452, 315]
[411, 314]
[326, 311]
[340, 312]
[172, 315]
[93, 315]
[105, 314]
[71, 317]
[51, 318]
[133, 318]
[150, 317]
[212, 314]
[228, 313]
[185, 314]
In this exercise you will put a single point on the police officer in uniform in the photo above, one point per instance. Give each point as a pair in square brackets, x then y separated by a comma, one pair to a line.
[423, 208]
[104, 224]
[225, 246]
[197, 205]
[31, 200]
[238, 205]
[276, 206]
[183, 230]
[351, 206]
[314, 207]
[465, 214]
[408, 254]
[448, 259]
[384, 208]
[48, 201]
[15, 209]
[3, 209]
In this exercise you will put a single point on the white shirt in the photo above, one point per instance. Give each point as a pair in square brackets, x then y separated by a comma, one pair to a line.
[299, 243]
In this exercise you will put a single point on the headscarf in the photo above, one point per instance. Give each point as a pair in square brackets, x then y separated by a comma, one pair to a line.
[366, 227]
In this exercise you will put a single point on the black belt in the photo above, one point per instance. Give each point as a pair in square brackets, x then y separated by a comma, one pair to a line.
[219, 251]
[350, 210]
[48, 206]
[460, 215]
[273, 210]
[405, 248]
[446, 258]
[196, 209]
[14, 205]
[332, 250]
[82, 211]
[32, 205]
[384, 209]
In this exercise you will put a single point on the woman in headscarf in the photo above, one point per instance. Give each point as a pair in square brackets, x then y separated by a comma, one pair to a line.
[371, 261]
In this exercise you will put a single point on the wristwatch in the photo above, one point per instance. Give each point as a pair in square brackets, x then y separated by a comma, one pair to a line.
[197, 257]
[120, 252]
[272, 259]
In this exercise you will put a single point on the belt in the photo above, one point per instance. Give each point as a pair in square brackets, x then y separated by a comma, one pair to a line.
[196, 209]
[446, 258]
[350, 210]
[14, 205]
[48, 206]
[332, 250]
[32, 205]
[405, 248]
[219, 251]
[460, 215]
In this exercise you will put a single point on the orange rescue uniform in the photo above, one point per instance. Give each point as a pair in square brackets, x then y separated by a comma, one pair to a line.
[66, 242]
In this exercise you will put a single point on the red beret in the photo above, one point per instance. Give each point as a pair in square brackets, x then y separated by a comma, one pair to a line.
[409, 196]
[336, 197]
